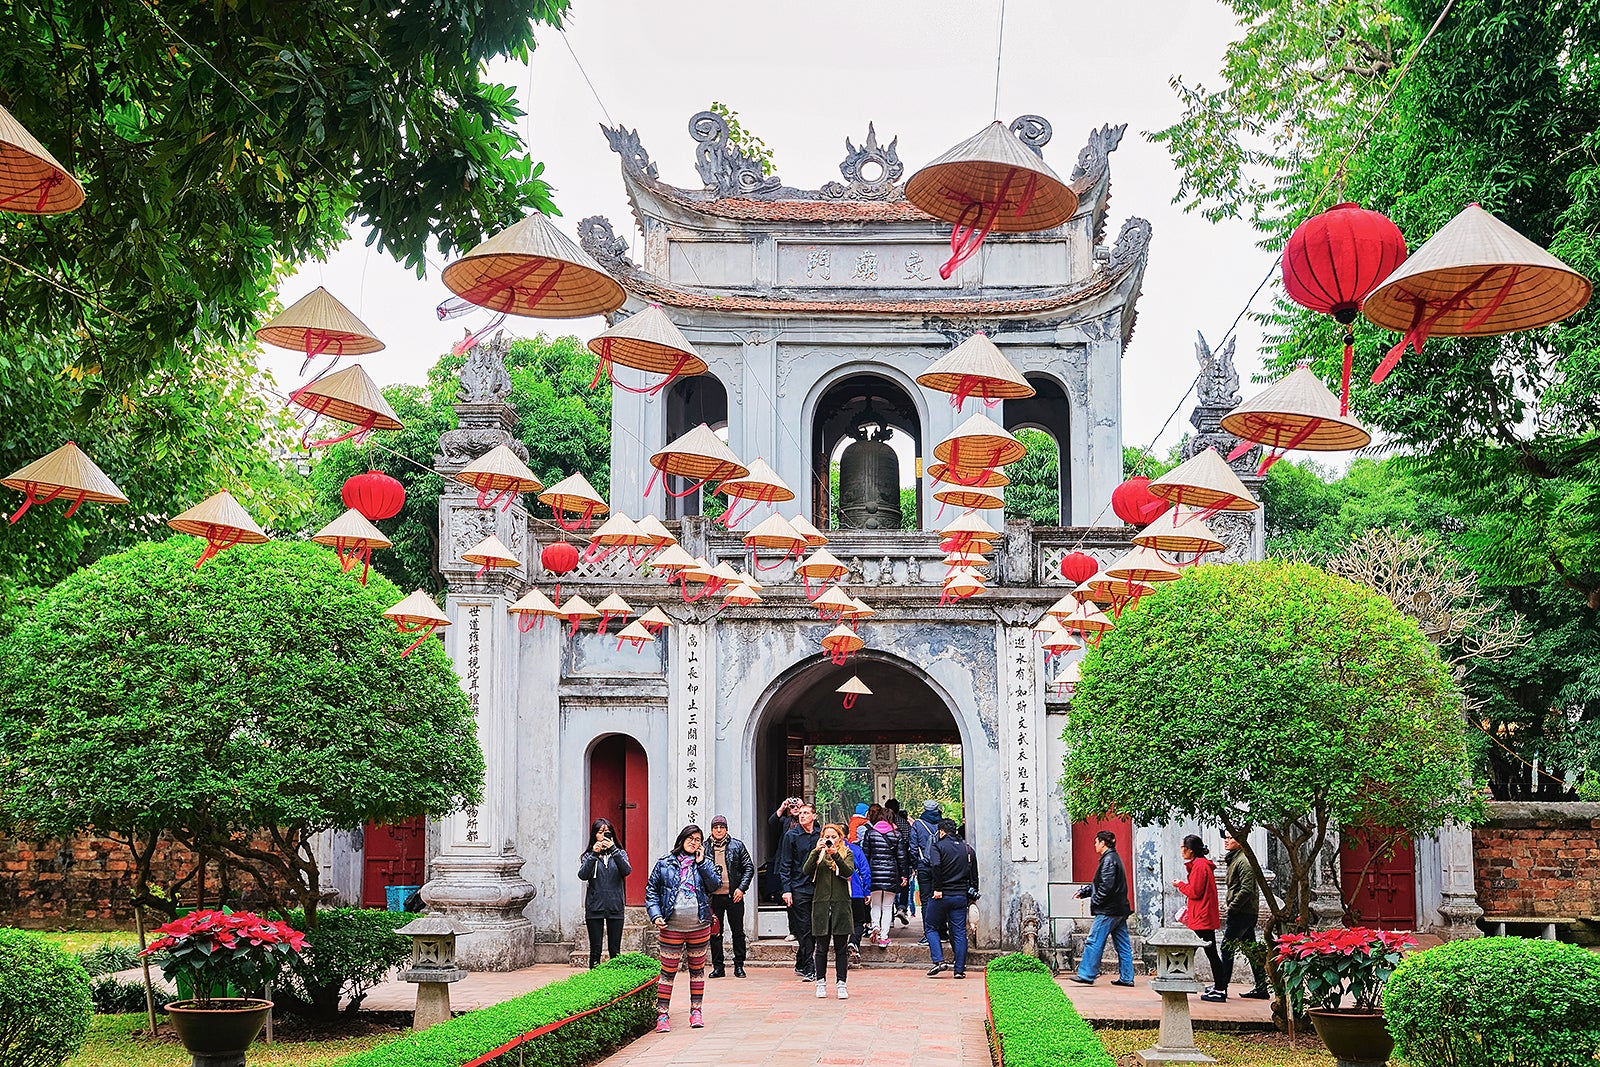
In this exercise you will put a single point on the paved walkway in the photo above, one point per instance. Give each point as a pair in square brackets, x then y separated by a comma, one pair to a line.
[478, 989]
[1104, 1004]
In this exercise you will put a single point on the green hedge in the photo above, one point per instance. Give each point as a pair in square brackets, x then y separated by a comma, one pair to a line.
[44, 1001]
[1494, 1001]
[585, 1040]
[1035, 1025]
[350, 951]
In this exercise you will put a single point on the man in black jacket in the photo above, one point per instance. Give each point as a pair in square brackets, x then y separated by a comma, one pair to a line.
[797, 888]
[1110, 905]
[952, 882]
[732, 860]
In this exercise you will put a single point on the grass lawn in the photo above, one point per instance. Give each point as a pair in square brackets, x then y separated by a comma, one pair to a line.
[82, 940]
[121, 1041]
[1232, 1050]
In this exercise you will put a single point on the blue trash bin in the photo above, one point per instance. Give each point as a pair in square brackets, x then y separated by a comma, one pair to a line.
[397, 895]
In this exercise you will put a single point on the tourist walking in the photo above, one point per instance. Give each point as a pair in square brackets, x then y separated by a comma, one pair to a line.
[678, 900]
[886, 864]
[736, 870]
[604, 866]
[1242, 904]
[953, 886]
[1201, 913]
[829, 865]
[860, 890]
[924, 832]
[1110, 905]
[903, 904]
[797, 844]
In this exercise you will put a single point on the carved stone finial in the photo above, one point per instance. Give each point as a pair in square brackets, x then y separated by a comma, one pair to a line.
[484, 379]
[726, 170]
[1033, 131]
[1219, 381]
[1133, 241]
[858, 187]
[1095, 157]
[601, 242]
[625, 143]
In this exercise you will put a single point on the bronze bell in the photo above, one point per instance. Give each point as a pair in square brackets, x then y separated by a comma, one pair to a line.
[869, 481]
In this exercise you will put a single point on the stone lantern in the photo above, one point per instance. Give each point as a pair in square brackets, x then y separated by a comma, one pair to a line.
[433, 966]
[1175, 979]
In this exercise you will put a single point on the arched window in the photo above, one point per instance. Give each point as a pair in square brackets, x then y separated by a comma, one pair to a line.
[691, 401]
[1041, 482]
[867, 408]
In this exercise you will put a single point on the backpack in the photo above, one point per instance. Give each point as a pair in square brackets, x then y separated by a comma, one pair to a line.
[922, 838]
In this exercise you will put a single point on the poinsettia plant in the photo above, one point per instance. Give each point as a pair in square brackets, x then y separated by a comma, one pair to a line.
[1323, 967]
[214, 950]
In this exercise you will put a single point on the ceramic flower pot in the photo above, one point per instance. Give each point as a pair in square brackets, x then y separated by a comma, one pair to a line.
[1354, 1037]
[221, 1031]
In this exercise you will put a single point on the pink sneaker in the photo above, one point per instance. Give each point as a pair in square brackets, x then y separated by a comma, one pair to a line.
[663, 1024]
[696, 1020]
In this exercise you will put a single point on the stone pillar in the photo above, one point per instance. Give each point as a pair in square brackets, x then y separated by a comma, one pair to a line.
[1458, 909]
[885, 763]
[1327, 905]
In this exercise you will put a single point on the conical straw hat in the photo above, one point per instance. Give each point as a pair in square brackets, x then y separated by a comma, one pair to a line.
[1103, 589]
[961, 496]
[656, 617]
[533, 602]
[698, 570]
[746, 578]
[961, 573]
[1143, 565]
[619, 530]
[833, 598]
[815, 538]
[649, 342]
[741, 595]
[821, 564]
[975, 172]
[316, 320]
[699, 455]
[613, 605]
[858, 609]
[71, 470]
[490, 552]
[219, 512]
[1071, 674]
[499, 469]
[976, 365]
[532, 269]
[841, 639]
[31, 181]
[353, 530]
[1296, 412]
[965, 559]
[574, 493]
[653, 528]
[348, 395]
[1087, 619]
[977, 443]
[636, 633]
[775, 531]
[968, 522]
[1175, 530]
[1060, 641]
[1206, 482]
[1461, 255]
[854, 685]
[1064, 608]
[725, 572]
[671, 559]
[579, 608]
[963, 581]
[1047, 625]
[985, 478]
[761, 483]
[418, 609]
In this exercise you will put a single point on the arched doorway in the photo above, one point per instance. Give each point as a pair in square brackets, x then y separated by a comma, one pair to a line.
[691, 401]
[1049, 411]
[619, 790]
[842, 411]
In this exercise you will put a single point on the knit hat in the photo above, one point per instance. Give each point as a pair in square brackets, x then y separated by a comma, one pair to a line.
[719, 820]
[861, 809]
[930, 807]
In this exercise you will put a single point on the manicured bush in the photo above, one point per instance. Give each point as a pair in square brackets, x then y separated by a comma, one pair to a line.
[113, 997]
[44, 1002]
[468, 1037]
[1033, 1022]
[349, 952]
[1495, 1001]
[108, 959]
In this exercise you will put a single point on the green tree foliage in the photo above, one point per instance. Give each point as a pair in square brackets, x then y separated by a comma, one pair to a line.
[1035, 489]
[565, 425]
[740, 136]
[44, 1002]
[240, 709]
[1271, 695]
[1503, 108]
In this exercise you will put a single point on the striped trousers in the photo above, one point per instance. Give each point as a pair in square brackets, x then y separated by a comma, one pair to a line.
[675, 945]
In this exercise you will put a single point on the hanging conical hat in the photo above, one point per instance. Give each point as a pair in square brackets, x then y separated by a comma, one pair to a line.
[671, 559]
[775, 531]
[741, 596]
[69, 469]
[1063, 608]
[649, 342]
[965, 559]
[1071, 674]
[977, 545]
[968, 522]
[977, 366]
[613, 605]
[854, 685]
[746, 578]
[700, 456]
[319, 321]
[961, 496]
[351, 530]
[1103, 589]
[1175, 530]
[620, 531]
[1206, 482]
[1047, 625]
[653, 528]
[724, 571]
[1086, 619]
[834, 598]
[574, 493]
[636, 633]
[821, 565]
[986, 478]
[761, 483]
[815, 538]
[656, 617]
[532, 269]
[31, 181]
[1059, 642]
[1475, 249]
[977, 443]
[348, 395]
[499, 469]
[698, 570]
[858, 609]
[962, 573]
[578, 608]
[1296, 412]
[842, 639]
[978, 169]
[418, 609]
[964, 581]
[490, 552]
[217, 513]
[533, 602]
[1143, 565]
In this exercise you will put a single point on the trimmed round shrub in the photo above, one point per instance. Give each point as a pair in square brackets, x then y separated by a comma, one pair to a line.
[44, 1002]
[1494, 1001]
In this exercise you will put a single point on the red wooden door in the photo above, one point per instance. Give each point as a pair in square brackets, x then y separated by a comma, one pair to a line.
[619, 790]
[1085, 859]
[392, 855]
[1379, 890]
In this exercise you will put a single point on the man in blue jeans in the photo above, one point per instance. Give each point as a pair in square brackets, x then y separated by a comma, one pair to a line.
[953, 880]
[1110, 906]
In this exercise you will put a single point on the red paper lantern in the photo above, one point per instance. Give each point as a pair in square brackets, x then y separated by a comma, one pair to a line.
[375, 495]
[1333, 260]
[1078, 567]
[559, 557]
[1135, 504]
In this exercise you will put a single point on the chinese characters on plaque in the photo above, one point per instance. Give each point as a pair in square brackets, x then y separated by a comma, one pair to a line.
[898, 265]
[694, 773]
[470, 816]
[1019, 746]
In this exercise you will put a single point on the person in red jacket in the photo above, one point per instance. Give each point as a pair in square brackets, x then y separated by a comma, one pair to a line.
[1201, 914]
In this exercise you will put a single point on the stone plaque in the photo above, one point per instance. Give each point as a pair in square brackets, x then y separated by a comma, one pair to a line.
[864, 265]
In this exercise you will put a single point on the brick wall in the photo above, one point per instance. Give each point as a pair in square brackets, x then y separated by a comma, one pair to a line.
[1539, 859]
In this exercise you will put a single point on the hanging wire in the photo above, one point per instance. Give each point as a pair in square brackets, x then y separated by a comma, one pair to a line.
[999, 49]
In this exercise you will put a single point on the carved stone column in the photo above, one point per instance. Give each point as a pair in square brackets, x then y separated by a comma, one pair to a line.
[1458, 908]
[1327, 905]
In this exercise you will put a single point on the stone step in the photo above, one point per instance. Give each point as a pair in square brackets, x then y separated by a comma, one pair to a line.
[904, 953]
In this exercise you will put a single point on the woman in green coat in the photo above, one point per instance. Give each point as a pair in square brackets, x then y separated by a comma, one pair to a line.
[830, 865]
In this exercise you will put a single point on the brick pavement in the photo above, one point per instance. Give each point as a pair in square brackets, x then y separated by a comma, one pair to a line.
[1106, 1004]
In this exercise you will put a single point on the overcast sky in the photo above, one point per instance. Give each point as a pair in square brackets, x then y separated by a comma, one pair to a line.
[805, 76]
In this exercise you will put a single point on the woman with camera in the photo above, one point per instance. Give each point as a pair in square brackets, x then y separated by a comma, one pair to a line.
[604, 866]
[830, 866]
[678, 900]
